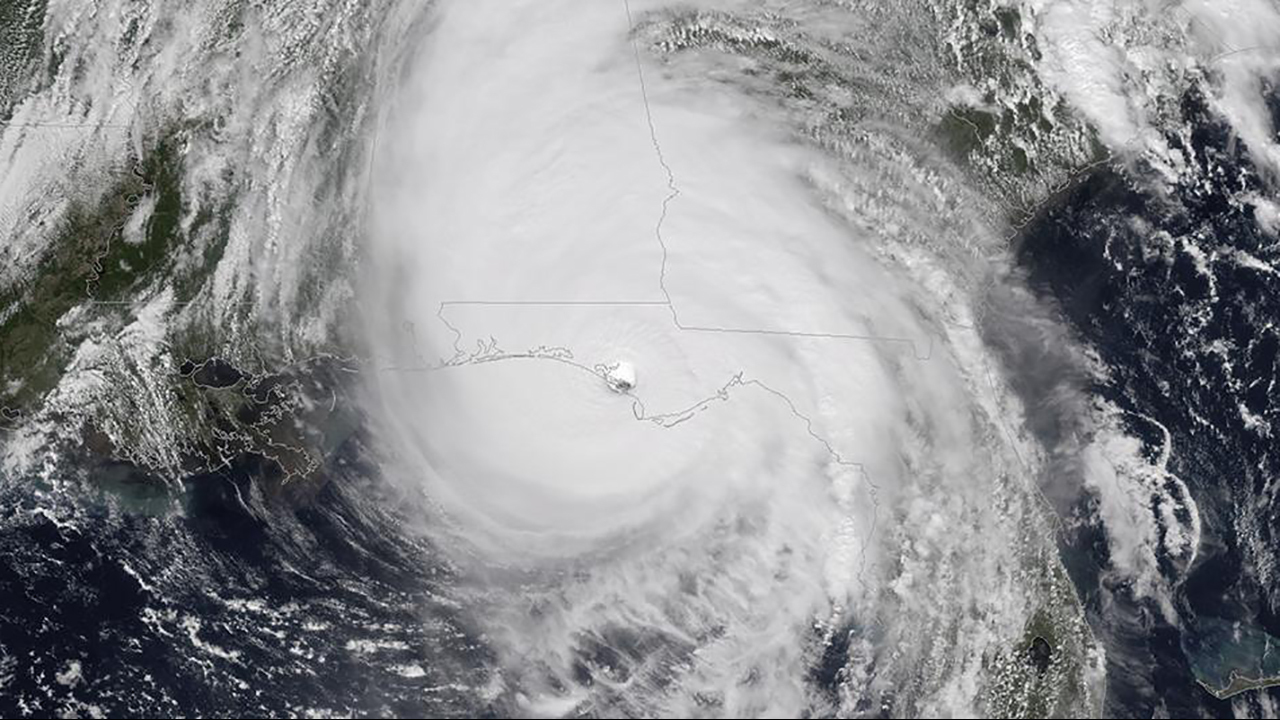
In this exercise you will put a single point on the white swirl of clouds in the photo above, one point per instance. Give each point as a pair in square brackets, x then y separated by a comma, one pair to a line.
[813, 439]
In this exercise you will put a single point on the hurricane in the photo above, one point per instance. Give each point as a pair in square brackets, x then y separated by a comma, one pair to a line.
[628, 358]
[804, 397]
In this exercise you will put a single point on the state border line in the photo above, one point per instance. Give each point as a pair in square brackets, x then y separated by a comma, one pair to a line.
[673, 193]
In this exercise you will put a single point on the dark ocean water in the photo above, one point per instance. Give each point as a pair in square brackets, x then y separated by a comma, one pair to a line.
[242, 603]
[1188, 344]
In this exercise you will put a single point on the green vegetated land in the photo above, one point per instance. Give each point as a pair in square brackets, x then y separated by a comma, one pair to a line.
[87, 258]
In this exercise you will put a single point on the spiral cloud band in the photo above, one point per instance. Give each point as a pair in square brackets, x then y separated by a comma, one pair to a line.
[791, 391]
